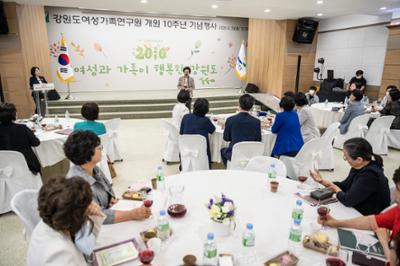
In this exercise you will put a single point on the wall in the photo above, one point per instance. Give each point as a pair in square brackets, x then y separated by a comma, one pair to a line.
[353, 42]
[19, 50]
[272, 57]
[391, 71]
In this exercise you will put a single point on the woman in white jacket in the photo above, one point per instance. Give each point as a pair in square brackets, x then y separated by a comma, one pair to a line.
[70, 223]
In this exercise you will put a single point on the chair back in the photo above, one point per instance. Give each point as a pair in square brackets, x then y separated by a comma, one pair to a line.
[262, 164]
[103, 164]
[112, 124]
[25, 205]
[172, 131]
[242, 152]
[357, 128]
[14, 177]
[193, 150]
[308, 156]
[331, 131]
[378, 132]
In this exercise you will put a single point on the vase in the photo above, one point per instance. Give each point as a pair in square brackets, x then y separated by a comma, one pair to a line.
[222, 228]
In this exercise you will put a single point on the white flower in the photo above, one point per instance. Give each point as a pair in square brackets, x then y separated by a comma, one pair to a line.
[225, 209]
[229, 206]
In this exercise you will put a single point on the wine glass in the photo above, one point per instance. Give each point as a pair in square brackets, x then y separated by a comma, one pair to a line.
[146, 256]
[323, 211]
[302, 179]
[148, 202]
[335, 256]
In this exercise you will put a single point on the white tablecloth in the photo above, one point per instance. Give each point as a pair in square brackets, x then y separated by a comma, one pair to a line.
[269, 212]
[50, 151]
[323, 114]
[217, 141]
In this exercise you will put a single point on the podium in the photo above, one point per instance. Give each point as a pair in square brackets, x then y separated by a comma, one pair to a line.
[44, 88]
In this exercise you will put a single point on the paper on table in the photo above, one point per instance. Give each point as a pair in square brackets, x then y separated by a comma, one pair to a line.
[126, 205]
[116, 255]
[365, 239]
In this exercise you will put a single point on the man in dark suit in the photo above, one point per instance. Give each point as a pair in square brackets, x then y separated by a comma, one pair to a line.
[241, 127]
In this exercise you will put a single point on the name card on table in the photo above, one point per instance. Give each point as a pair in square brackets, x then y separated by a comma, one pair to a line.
[43, 87]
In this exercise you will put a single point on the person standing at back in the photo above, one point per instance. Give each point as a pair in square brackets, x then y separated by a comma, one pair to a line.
[90, 111]
[241, 127]
[359, 80]
[186, 82]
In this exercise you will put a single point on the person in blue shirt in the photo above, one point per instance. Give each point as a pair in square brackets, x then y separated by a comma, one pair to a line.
[90, 111]
[288, 129]
[197, 123]
[241, 127]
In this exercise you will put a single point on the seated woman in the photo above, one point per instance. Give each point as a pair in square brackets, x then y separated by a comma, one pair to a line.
[287, 127]
[17, 137]
[366, 188]
[70, 223]
[309, 129]
[84, 150]
[393, 107]
[180, 109]
[354, 109]
[90, 111]
[198, 123]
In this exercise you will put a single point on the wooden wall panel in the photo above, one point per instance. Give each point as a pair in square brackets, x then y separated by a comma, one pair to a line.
[24, 46]
[265, 58]
[391, 70]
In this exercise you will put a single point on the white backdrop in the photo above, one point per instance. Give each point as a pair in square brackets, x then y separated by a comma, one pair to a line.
[119, 52]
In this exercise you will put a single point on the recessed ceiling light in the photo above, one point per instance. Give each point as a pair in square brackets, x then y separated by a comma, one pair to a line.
[143, 1]
[214, 6]
[383, 8]
[320, 15]
[319, 2]
[267, 10]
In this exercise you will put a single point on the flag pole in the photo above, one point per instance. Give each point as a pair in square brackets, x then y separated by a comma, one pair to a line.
[69, 97]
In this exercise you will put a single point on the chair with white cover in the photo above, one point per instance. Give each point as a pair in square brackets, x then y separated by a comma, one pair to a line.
[305, 160]
[14, 177]
[394, 138]
[112, 126]
[327, 160]
[357, 128]
[242, 152]
[193, 150]
[378, 132]
[25, 205]
[103, 164]
[171, 150]
[262, 164]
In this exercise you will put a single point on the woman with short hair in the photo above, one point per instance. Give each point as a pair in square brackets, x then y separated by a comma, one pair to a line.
[288, 130]
[84, 150]
[17, 137]
[366, 187]
[355, 108]
[309, 128]
[90, 111]
[393, 107]
[70, 223]
[197, 123]
[180, 108]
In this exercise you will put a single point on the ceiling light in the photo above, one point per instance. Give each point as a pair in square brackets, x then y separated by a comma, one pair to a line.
[320, 15]
[143, 1]
[214, 6]
[267, 10]
[320, 2]
[383, 8]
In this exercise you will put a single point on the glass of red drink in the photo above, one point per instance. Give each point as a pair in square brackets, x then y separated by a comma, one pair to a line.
[176, 204]
[146, 256]
[302, 179]
[336, 256]
[323, 211]
[148, 203]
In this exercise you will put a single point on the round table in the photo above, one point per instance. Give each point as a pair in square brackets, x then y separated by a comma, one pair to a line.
[323, 114]
[269, 212]
[217, 141]
[50, 151]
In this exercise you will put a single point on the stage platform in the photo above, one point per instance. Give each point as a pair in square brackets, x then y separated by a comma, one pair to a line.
[142, 104]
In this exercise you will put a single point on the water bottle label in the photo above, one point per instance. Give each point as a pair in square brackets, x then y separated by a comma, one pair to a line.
[248, 242]
[163, 227]
[160, 178]
[210, 253]
[295, 236]
[297, 215]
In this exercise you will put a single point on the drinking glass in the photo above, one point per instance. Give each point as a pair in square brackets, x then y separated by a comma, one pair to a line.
[302, 179]
[335, 256]
[323, 211]
[176, 204]
[146, 256]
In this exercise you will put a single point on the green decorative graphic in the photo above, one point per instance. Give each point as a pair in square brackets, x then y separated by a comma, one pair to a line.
[146, 53]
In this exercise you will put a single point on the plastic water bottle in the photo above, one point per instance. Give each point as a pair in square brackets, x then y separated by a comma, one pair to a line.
[272, 171]
[210, 251]
[326, 103]
[160, 178]
[297, 212]
[295, 238]
[56, 121]
[248, 242]
[163, 229]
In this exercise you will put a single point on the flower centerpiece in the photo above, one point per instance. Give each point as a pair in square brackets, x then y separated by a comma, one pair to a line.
[221, 209]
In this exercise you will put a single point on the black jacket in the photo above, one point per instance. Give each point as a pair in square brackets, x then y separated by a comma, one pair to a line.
[366, 189]
[393, 108]
[20, 138]
[52, 95]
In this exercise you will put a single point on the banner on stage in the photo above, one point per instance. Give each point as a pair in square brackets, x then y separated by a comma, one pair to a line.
[119, 52]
